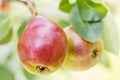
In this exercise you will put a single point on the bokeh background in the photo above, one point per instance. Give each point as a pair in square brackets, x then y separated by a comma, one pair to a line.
[12, 25]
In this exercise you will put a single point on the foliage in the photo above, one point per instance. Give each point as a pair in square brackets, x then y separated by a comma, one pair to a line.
[90, 31]
[5, 28]
[86, 18]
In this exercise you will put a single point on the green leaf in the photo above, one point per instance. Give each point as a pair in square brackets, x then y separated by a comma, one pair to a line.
[66, 6]
[63, 23]
[5, 27]
[87, 30]
[7, 38]
[6, 74]
[90, 11]
[110, 35]
[22, 26]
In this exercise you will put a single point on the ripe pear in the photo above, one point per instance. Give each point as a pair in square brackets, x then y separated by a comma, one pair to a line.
[82, 54]
[43, 46]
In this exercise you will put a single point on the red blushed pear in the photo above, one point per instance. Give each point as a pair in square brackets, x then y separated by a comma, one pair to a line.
[82, 54]
[43, 46]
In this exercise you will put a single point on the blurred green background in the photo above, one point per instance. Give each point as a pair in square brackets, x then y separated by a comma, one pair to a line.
[13, 23]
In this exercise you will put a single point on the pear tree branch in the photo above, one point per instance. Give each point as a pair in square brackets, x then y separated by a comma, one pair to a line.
[29, 4]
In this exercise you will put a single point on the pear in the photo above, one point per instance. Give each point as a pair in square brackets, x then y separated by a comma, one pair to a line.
[82, 54]
[43, 46]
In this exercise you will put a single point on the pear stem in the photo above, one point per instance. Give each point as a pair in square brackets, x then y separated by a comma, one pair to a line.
[30, 5]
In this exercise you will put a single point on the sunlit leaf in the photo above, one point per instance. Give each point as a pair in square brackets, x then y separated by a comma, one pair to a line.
[66, 6]
[63, 23]
[90, 11]
[111, 35]
[7, 37]
[5, 28]
[89, 31]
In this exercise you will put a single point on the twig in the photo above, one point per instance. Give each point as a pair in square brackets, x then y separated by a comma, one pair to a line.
[30, 5]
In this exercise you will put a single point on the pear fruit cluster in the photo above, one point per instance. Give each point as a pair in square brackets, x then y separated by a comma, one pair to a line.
[44, 47]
